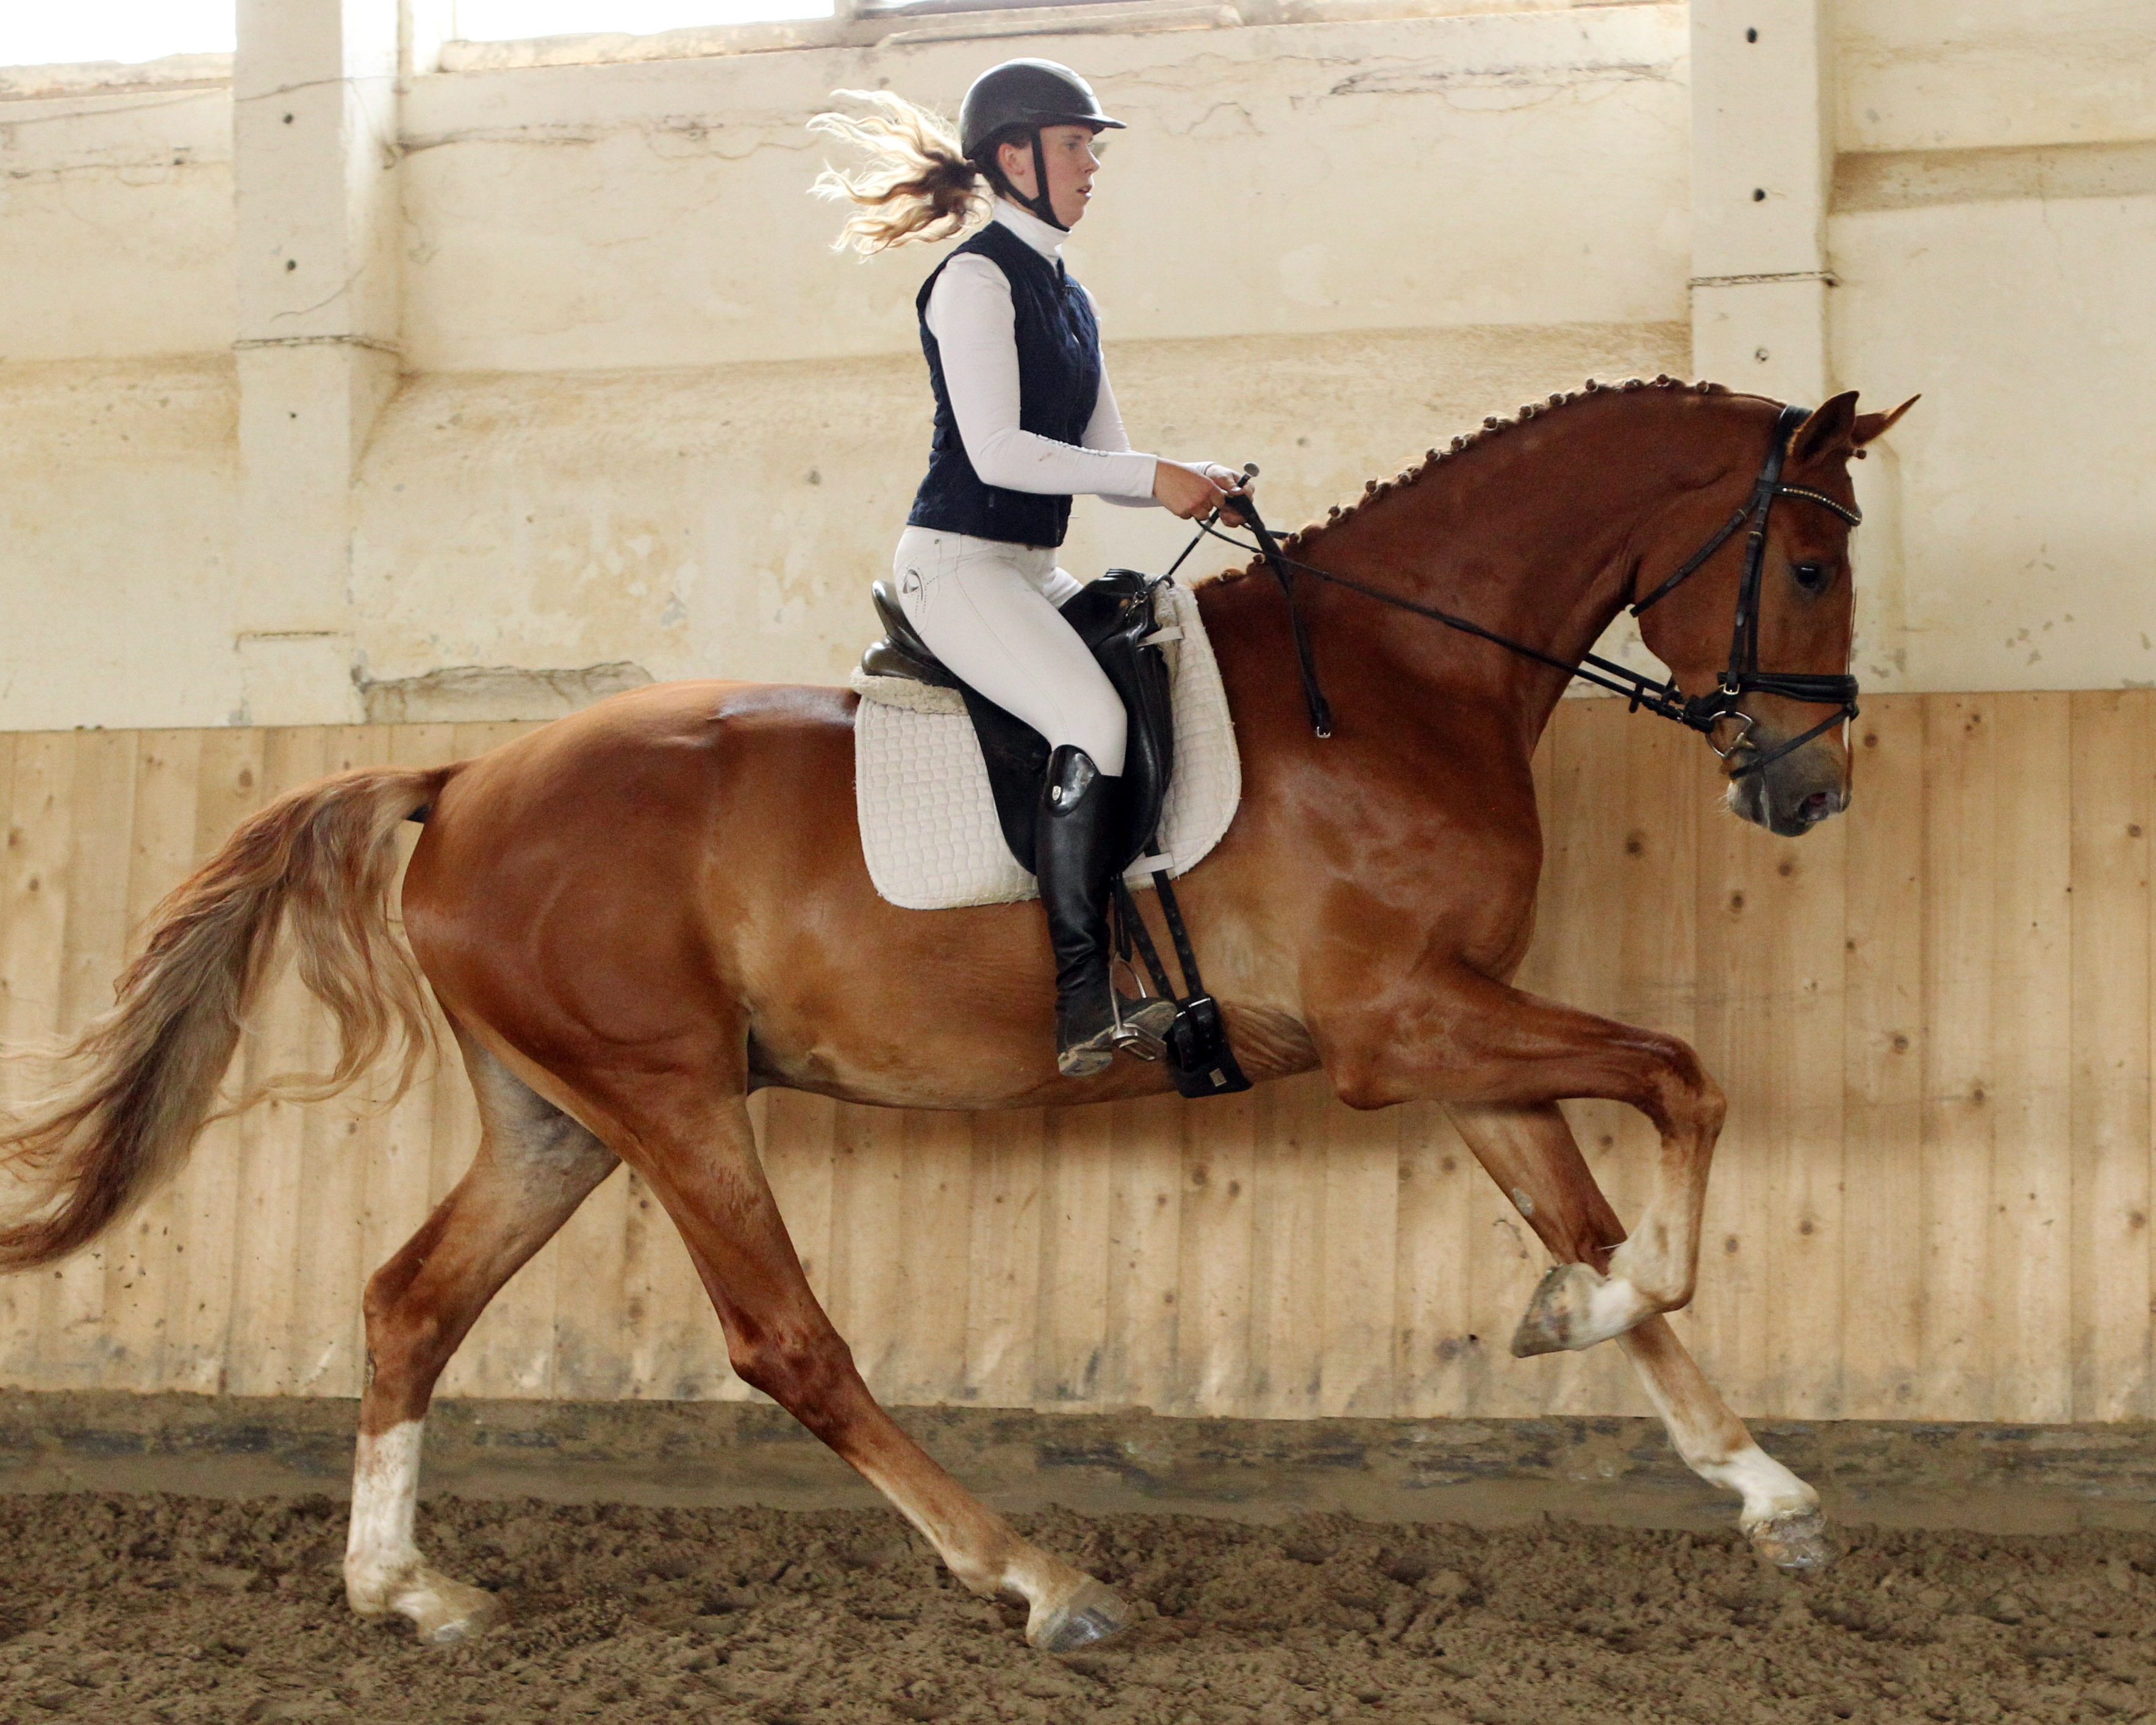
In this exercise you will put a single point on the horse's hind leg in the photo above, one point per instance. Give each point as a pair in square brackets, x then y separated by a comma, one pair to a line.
[535, 1166]
[702, 1163]
[1530, 1152]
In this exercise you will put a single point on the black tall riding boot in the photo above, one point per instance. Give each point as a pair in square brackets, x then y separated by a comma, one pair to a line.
[1075, 839]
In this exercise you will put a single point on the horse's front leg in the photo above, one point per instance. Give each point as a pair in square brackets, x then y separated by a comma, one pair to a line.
[1530, 1151]
[1476, 1042]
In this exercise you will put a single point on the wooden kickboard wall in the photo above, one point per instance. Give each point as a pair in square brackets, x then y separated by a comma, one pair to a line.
[1932, 1016]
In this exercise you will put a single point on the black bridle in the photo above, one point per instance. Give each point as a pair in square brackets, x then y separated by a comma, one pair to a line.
[1702, 713]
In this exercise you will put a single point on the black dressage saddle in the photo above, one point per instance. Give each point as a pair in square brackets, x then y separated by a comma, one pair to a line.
[1118, 617]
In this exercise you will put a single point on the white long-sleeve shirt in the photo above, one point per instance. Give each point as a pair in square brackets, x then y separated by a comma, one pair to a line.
[969, 313]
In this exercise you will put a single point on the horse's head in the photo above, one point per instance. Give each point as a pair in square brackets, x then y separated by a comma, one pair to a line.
[1787, 762]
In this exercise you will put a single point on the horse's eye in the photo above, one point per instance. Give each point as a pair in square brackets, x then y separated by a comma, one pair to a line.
[1810, 577]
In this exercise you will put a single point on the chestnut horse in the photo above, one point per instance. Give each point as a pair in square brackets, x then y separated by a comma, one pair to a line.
[635, 916]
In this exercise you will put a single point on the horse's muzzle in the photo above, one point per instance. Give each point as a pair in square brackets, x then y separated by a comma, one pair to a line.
[1791, 796]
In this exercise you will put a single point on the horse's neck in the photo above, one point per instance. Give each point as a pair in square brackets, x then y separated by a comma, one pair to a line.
[1529, 535]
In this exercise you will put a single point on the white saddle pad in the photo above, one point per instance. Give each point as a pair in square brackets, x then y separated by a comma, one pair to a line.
[928, 819]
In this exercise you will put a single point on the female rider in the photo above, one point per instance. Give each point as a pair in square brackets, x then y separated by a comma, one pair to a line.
[1025, 419]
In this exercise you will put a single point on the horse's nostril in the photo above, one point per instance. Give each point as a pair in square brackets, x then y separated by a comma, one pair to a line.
[1817, 807]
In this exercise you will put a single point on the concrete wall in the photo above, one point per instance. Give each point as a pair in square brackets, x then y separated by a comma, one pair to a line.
[530, 366]
[1994, 232]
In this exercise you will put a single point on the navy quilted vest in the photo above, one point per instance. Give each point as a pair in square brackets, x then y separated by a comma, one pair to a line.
[1059, 370]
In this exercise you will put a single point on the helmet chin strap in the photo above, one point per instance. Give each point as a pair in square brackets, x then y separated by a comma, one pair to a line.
[1039, 203]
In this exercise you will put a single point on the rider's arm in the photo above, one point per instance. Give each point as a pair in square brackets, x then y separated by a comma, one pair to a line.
[969, 313]
[1105, 431]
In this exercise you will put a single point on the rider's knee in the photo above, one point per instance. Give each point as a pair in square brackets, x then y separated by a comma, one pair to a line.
[1098, 724]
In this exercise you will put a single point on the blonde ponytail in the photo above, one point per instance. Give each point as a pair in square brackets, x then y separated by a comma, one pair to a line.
[916, 183]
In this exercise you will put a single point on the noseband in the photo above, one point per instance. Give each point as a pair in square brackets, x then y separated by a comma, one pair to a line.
[1665, 700]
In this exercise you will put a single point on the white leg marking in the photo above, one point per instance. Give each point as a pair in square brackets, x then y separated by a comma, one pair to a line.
[1768, 1488]
[383, 1570]
[1638, 1267]
[385, 1496]
[1781, 1515]
[1613, 1308]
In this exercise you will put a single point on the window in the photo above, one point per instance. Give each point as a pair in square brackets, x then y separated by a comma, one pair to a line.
[514, 20]
[129, 31]
[925, 8]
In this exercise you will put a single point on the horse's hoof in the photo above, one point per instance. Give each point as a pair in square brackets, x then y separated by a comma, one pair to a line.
[1093, 1613]
[1549, 1325]
[445, 1612]
[1575, 1308]
[1796, 1539]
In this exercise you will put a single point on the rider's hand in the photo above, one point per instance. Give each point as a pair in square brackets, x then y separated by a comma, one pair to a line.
[1234, 484]
[1189, 492]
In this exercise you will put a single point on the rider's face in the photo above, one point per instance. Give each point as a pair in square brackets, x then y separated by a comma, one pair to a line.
[1068, 151]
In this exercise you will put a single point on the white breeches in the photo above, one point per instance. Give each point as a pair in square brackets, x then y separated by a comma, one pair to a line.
[989, 611]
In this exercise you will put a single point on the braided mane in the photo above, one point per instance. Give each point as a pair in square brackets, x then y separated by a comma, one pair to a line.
[1303, 537]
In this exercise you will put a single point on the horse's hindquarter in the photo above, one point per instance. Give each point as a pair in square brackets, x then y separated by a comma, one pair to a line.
[554, 899]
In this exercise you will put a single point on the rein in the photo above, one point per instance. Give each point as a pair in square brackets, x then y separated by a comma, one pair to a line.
[1701, 713]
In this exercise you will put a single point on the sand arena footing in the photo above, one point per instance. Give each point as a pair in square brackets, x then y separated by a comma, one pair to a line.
[2001, 1479]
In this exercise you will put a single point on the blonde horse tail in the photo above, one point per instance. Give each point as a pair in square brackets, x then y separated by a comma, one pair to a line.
[141, 1081]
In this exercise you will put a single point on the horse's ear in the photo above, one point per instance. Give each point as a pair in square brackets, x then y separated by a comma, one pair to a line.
[1830, 430]
[1872, 427]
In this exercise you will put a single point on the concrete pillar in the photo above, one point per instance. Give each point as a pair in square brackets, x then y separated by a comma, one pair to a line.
[428, 25]
[314, 141]
[1762, 168]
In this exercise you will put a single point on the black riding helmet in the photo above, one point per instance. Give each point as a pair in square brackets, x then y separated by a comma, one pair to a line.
[1009, 104]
